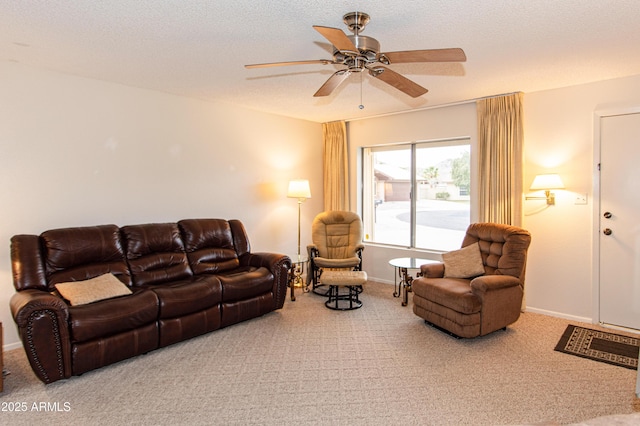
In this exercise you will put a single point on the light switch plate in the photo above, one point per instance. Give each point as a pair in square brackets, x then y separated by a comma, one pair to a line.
[581, 199]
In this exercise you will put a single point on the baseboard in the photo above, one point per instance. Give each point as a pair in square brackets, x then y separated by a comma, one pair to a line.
[559, 315]
[12, 346]
[379, 280]
[619, 328]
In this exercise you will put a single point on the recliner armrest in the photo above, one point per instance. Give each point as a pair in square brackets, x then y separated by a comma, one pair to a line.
[312, 250]
[486, 283]
[432, 270]
[501, 299]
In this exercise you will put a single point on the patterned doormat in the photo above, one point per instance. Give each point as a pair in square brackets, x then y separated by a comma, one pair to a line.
[600, 346]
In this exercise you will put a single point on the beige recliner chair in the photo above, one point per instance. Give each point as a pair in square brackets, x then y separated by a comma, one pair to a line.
[336, 243]
[472, 294]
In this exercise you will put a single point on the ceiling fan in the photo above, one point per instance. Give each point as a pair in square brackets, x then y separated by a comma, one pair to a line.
[359, 53]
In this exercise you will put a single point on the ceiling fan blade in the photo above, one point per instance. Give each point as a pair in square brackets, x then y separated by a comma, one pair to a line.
[338, 38]
[428, 55]
[334, 81]
[281, 64]
[398, 81]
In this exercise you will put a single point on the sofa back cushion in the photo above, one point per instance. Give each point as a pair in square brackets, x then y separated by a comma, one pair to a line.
[155, 253]
[82, 253]
[209, 244]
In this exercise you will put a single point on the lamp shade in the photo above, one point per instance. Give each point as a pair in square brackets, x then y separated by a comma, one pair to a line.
[299, 188]
[547, 181]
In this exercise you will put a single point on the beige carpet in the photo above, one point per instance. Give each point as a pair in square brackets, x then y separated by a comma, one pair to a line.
[306, 364]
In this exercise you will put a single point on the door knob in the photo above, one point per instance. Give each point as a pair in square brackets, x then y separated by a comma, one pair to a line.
[607, 215]
[607, 231]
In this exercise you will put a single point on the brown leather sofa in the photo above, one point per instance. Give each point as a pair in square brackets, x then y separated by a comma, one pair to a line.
[485, 302]
[186, 279]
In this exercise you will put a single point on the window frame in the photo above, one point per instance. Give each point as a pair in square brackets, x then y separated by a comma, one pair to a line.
[368, 207]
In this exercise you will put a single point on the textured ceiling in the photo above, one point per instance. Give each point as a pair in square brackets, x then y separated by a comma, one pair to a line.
[198, 48]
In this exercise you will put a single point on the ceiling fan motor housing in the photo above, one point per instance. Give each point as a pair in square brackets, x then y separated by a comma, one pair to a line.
[368, 47]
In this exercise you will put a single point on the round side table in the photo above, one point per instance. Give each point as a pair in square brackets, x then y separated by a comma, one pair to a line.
[402, 265]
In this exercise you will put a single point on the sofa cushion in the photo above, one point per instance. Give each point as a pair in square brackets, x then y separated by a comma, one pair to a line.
[102, 287]
[155, 253]
[81, 253]
[209, 245]
[453, 293]
[112, 316]
[245, 282]
[463, 263]
[187, 296]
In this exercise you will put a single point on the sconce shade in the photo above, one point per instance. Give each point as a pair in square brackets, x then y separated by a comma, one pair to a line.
[547, 181]
[299, 188]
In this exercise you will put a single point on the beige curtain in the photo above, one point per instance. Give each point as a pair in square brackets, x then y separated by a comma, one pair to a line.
[500, 146]
[336, 166]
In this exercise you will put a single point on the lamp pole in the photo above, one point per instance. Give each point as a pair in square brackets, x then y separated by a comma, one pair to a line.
[299, 206]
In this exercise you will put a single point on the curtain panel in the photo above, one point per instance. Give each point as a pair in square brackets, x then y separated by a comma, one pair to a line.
[335, 166]
[500, 146]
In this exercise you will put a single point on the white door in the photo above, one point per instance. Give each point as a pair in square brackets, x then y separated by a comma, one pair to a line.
[619, 230]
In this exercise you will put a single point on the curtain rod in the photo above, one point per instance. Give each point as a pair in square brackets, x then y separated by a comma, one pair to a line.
[430, 107]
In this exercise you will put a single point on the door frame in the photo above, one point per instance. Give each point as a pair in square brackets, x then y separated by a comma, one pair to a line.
[597, 143]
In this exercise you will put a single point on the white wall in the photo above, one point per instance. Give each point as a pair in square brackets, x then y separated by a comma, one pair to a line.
[77, 152]
[559, 133]
[558, 138]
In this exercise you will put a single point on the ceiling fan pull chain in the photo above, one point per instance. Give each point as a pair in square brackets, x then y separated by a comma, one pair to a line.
[361, 106]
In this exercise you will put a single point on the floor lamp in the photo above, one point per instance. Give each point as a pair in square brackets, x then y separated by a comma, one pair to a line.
[299, 188]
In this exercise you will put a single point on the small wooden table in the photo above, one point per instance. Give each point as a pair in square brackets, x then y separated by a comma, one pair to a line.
[402, 265]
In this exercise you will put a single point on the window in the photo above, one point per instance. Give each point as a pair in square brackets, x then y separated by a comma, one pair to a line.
[438, 173]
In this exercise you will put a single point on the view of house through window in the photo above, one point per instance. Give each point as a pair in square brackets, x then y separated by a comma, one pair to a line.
[438, 173]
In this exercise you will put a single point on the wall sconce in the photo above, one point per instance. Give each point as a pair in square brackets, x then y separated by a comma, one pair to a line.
[546, 182]
[299, 188]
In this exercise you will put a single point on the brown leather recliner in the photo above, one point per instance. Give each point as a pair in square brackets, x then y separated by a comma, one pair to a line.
[476, 306]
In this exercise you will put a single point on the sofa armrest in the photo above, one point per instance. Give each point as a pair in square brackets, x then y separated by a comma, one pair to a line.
[271, 261]
[42, 321]
[279, 265]
[432, 270]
